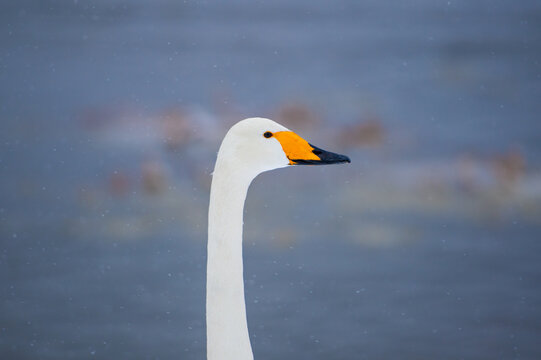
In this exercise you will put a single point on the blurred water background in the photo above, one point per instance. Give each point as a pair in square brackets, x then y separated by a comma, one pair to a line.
[426, 247]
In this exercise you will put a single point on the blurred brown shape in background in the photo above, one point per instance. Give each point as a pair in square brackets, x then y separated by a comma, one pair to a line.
[154, 177]
[509, 168]
[297, 117]
[176, 127]
[368, 132]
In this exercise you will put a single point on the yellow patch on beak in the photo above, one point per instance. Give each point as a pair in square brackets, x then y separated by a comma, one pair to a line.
[295, 147]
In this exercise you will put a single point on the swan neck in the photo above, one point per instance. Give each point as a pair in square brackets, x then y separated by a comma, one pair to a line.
[227, 329]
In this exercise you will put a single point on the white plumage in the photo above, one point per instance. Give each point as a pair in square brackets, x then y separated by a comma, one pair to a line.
[251, 147]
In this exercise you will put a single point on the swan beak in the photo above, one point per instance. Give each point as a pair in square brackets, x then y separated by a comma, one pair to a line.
[300, 152]
[324, 158]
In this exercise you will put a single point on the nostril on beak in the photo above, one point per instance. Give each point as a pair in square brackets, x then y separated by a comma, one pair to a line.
[316, 152]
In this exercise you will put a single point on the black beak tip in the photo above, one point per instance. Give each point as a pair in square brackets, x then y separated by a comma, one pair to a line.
[328, 157]
[339, 159]
[325, 158]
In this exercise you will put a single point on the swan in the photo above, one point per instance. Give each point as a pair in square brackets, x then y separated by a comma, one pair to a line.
[250, 147]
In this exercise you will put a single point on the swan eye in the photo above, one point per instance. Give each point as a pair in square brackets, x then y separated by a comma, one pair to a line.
[267, 134]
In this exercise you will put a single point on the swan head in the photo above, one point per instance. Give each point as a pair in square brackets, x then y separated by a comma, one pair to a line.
[256, 145]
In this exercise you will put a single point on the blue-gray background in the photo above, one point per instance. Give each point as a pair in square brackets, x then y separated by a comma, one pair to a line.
[426, 247]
